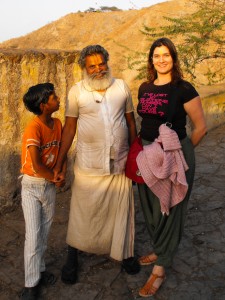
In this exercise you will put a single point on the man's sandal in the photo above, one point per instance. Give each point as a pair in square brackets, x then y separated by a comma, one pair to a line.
[147, 260]
[47, 278]
[131, 265]
[149, 289]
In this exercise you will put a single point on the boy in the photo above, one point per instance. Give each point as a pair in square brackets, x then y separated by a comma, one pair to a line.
[40, 147]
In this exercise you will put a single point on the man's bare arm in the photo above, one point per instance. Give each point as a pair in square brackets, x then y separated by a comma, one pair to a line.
[69, 131]
[131, 126]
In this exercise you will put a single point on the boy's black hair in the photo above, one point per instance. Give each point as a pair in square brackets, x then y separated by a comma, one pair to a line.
[36, 95]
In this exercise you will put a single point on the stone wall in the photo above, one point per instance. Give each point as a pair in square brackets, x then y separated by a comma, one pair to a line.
[20, 69]
[214, 108]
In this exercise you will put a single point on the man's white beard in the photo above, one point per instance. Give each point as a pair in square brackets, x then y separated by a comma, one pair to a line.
[98, 84]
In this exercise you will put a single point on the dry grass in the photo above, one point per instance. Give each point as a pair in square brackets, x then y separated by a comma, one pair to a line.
[119, 32]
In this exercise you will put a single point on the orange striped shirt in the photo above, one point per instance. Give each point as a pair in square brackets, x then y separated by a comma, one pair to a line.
[46, 139]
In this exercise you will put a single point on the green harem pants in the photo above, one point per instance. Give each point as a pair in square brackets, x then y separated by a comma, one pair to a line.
[166, 231]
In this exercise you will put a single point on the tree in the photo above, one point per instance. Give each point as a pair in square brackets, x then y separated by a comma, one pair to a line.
[90, 9]
[109, 8]
[102, 9]
[200, 40]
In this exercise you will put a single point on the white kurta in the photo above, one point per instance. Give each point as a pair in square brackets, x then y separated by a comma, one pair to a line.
[101, 217]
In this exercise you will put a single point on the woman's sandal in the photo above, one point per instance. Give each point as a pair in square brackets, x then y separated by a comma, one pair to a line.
[149, 289]
[147, 260]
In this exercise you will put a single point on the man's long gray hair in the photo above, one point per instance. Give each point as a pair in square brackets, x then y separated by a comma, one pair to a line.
[90, 50]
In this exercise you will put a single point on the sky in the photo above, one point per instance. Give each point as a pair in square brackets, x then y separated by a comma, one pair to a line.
[20, 17]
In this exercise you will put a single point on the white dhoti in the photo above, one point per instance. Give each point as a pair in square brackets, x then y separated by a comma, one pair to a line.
[101, 219]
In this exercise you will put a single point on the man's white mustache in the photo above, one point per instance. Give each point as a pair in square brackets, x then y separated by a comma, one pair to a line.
[97, 74]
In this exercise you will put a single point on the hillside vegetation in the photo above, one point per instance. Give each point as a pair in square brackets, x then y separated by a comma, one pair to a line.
[118, 31]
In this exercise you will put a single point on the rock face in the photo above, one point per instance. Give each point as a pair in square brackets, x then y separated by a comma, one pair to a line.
[20, 69]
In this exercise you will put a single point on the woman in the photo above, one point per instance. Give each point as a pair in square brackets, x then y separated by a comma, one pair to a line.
[155, 97]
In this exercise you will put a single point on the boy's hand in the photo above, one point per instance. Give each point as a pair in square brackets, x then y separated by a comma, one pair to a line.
[56, 173]
[60, 183]
[59, 177]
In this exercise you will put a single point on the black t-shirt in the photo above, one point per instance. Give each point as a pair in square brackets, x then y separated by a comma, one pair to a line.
[153, 104]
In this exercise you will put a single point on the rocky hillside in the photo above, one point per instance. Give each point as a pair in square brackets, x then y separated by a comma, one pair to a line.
[118, 31]
[111, 29]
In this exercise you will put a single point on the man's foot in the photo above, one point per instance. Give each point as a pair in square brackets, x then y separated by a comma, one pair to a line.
[69, 275]
[131, 265]
[69, 270]
[47, 278]
[30, 293]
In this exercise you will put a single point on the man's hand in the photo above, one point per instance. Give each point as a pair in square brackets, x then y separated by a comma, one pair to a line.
[59, 178]
[60, 183]
[56, 172]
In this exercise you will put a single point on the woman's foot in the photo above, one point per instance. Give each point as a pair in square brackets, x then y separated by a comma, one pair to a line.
[147, 259]
[154, 282]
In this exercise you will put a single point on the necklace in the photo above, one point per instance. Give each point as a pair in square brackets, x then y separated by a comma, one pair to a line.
[97, 100]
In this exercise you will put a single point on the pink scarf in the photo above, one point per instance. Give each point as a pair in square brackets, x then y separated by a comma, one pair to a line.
[162, 166]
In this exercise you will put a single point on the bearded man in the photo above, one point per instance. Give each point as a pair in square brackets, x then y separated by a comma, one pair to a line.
[101, 220]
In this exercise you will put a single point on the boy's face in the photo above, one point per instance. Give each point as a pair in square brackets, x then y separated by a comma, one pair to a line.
[53, 104]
